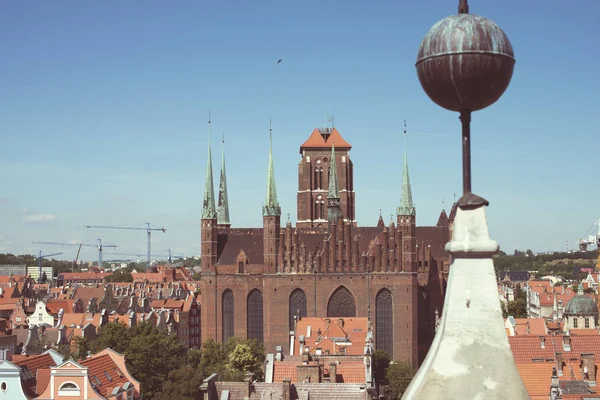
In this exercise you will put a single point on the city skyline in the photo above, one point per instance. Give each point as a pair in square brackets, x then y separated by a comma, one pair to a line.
[104, 122]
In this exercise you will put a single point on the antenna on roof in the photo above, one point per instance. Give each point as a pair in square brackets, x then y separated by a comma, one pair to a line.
[331, 120]
[209, 124]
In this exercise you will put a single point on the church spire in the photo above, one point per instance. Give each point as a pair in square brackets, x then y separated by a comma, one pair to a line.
[208, 208]
[223, 207]
[271, 206]
[333, 195]
[406, 203]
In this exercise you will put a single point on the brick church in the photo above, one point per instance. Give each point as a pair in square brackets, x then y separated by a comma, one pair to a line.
[257, 281]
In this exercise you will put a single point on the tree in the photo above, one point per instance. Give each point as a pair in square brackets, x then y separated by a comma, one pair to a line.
[182, 384]
[381, 361]
[114, 335]
[151, 354]
[399, 374]
[516, 309]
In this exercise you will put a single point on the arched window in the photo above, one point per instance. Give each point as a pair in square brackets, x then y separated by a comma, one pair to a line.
[319, 207]
[255, 315]
[227, 314]
[297, 305]
[341, 304]
[316, 182]
[384, 322]
[320, 177]
[69, 389]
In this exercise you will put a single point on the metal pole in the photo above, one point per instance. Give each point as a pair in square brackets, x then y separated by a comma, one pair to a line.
[465, 118]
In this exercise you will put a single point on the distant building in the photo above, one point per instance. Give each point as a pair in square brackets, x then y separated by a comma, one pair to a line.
[13, 269]
[34, 272]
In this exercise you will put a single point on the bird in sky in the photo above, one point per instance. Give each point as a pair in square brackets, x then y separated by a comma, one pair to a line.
[279, 61]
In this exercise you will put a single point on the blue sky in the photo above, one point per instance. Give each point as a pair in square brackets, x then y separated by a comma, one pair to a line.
[103, 115]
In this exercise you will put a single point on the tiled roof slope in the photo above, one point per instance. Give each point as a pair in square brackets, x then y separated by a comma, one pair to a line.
[316, 140]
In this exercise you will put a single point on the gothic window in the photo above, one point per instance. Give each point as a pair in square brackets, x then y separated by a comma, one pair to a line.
[320, 177]
[317, 210]
[341, 304]
[297, 306]
[316, 182]
[384, 331]
[255, 315]
[227, 315]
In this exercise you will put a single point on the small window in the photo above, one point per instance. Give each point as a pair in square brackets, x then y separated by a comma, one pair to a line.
[3, 387]
[587, 322]
[574, 322]
[241, 267]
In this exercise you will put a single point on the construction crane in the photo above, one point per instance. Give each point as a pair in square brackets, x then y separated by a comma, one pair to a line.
[592, 237]
[148, 229]
[40, 258]
[100, 246]
[169, 257]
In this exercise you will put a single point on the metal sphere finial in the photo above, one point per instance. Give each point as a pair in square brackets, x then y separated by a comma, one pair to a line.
[464, 64]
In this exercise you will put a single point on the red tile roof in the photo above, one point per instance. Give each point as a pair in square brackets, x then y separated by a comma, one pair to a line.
[106, 371]
[316, 140]
[33, 363]
[351, 372]
[537, 378]
[285, 369]
[42, 380]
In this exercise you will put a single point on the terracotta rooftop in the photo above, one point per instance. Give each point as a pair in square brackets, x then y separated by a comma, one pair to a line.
[33, 363]
[317, 140]
[104, 373]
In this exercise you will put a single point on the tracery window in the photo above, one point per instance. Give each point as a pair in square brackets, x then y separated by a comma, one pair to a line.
[227, 314]
[255, 315]
[341, 304]
[384, 332]
[297, 306]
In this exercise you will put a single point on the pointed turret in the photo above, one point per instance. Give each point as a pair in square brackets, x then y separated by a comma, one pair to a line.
[209, 217]
[271, 206]
[208, 208]
[406, 203]
[223, 207]
[334, 211]
[271, 219]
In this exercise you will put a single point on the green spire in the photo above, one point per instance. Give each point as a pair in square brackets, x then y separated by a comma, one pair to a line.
[406, 203]
[223, 206]
[271, 206]
[333, 195]
[208, 208]
[334, 192]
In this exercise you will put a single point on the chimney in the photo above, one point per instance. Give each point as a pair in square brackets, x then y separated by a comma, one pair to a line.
[287, 389]
[278, 353]
[332, 373]
[559, 363]
[554, 381]
[588, 368]
[247, 384]
[542, 342]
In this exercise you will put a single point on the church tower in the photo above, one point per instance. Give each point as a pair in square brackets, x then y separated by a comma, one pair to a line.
[313, 178]
[223, 206]
[407, 218]
[209, 217]
[271, 216]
